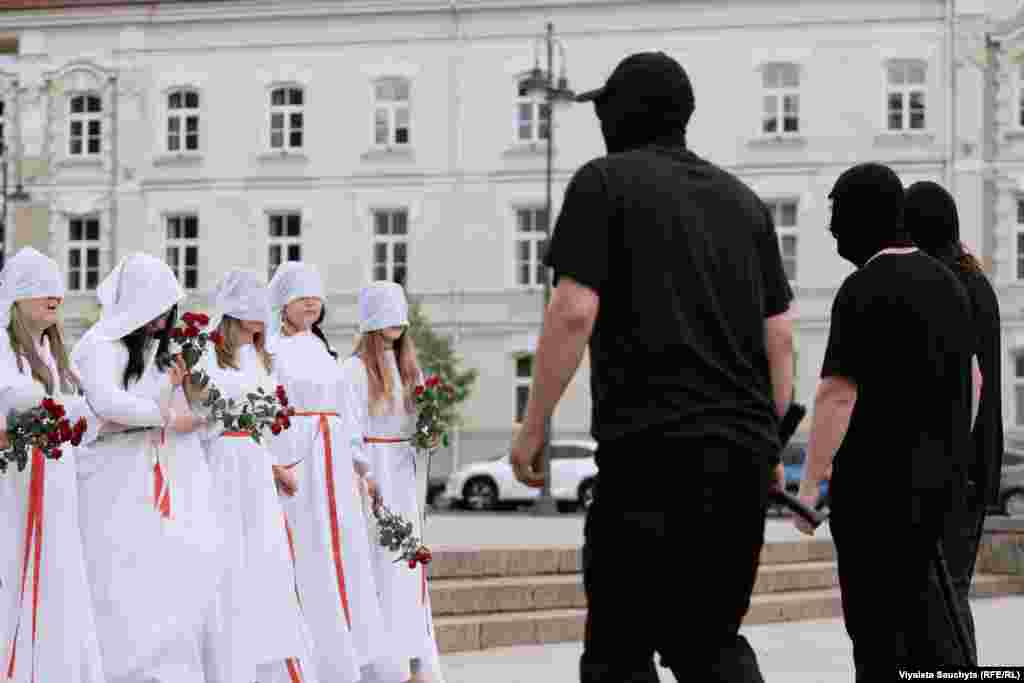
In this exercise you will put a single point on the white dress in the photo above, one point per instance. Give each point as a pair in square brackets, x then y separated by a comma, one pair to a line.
[263, 636]
[153, 578]
[65, 647]
[332, 550]
[400, 475]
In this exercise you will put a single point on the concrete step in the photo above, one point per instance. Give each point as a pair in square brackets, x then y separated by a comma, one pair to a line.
[460, 633]
[460, 563]
[564, 591]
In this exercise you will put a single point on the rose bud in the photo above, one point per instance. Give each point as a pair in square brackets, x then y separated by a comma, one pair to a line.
[76, 439]
[418, 391]
[202, 319]
[188, 318]
[275, 428]
[53, 438]
[433, 381]
[191, 332]
[412, 564]
[56, 454]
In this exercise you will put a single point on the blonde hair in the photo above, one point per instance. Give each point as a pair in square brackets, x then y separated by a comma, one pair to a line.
[24, 348]
[370, 348]
[227, 351]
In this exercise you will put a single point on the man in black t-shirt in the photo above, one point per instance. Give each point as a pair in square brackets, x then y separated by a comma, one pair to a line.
[893, 407]
[670, 269]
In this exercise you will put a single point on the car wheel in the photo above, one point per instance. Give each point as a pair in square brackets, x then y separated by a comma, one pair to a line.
[1013, 503]
[586, 493]
[480, 494]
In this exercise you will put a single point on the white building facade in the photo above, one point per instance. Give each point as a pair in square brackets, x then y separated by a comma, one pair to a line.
[391, 139]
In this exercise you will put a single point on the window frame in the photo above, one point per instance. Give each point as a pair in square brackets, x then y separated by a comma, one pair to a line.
[182, 245]
[906, 91]
[537, 107]
[391, 109]
[783, 231]
[84, 118]
[390, 240]
[521, 399]
[181, 115]
[1017, 356]
[780, 92]
[284, 241]
[533, 237]
[83, 246]
[287, 111]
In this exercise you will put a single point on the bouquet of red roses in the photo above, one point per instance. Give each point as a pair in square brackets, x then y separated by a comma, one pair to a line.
[434, 401]
[44, 427]
[396, 534]
[189, 340]
[259, 412]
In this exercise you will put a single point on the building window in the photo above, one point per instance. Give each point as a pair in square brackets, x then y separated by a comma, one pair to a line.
[781, 84]
[524, 376]
[391, 245]
[85, 125]
[287, 124]
[83, 253]
[533, 116]
[183, 249]
[531, 245]
[3, 129]
[183, 121]
[905, 100]
[391, 112]
[285, 232]
[784, 214]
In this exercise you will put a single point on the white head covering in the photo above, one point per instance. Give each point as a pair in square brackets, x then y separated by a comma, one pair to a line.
[382, 304]
[241, 294]
[29, 274]
[292, 280]
[138, 290]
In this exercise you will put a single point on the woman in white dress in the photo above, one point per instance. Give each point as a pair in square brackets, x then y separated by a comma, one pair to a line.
[152, 543]
[332, 551]
[379, 382]
[47, 628]
[263, 637]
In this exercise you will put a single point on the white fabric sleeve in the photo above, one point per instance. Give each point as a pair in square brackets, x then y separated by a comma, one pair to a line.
[19, 391]
[354, 396]
[99, 370]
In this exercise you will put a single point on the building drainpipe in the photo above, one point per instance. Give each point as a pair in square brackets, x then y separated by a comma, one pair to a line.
[951, 136]
[115, 169]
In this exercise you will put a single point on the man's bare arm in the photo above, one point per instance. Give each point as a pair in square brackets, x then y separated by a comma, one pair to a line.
[778, 333]
[833, 406]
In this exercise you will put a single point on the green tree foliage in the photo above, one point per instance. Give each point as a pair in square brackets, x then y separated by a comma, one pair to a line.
[437, 357]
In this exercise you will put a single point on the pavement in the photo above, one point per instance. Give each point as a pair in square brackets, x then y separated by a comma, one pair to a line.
[804, 652]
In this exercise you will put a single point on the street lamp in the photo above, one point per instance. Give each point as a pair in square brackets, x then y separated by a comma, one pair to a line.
[19, 194]
[543, 84]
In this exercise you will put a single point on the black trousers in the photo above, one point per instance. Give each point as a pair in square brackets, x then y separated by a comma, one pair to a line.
[895, 611]
[672, 573]
[961, 538]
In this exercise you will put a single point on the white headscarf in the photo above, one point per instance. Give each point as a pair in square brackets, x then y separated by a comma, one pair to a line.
[382, 304]
[241, 294]
[138, 290]
[292, 280]
[29, 274]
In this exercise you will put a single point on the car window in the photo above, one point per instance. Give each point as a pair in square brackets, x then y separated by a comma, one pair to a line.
[566, 452]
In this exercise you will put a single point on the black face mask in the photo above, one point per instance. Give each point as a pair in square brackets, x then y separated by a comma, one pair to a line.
[867, 212]
[932, 221]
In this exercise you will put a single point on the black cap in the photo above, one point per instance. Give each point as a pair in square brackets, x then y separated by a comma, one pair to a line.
[648, 76]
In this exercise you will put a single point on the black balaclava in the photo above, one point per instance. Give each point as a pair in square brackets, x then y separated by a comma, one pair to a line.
[648, 99]
[931, 218]
[867, 212]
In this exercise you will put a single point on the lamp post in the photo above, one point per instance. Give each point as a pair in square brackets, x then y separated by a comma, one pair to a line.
[19, 194]
[543, 84]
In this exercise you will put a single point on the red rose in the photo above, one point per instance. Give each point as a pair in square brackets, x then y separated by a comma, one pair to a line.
[76, 439]
[176, 333]
[59, 412]
[275, 428]
[287, 422]
[419, 390]
[424, 556]
[412, 564]
[189, 318]
[81, 425]
[433, 381]
[53, 438]
[217, 338]
[202, 320]
[53, 408]
[282, 397]
[56, 454]
[65, 431]
[191, 332]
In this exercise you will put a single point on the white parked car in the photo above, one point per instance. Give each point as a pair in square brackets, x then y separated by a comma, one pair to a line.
[485, 485]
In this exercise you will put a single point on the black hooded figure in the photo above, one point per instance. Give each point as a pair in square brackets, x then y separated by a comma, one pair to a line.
[899, 334]
[690, 371]
[933, 223]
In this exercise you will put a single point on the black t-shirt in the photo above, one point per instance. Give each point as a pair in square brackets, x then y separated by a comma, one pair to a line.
[686, 262]
[901, 329]
[987, 438]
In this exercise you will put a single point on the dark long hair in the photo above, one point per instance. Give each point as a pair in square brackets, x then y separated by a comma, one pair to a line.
[137, 342]
[320, 333]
